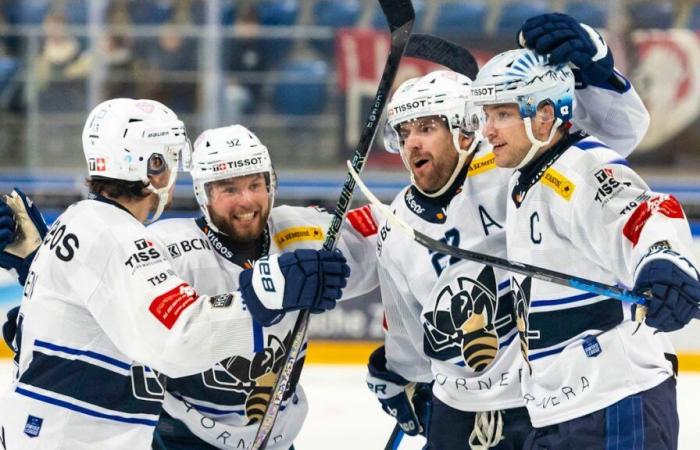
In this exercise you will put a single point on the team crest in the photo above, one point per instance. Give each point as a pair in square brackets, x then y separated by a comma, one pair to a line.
[462, 326]
[521, 293]
[253, 378]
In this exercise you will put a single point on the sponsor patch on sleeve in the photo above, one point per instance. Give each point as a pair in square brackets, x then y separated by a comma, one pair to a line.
[482, 164]
[362, 220]
[292, 235]
[661, 204]
[557, 182]
[168, 306]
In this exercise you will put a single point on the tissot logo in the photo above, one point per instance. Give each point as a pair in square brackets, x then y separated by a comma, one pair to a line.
[407, 106]
[238, 164]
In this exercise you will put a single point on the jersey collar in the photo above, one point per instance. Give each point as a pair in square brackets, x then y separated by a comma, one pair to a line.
[101, 198]
[434, 209]
[533, 172]
[231, 251]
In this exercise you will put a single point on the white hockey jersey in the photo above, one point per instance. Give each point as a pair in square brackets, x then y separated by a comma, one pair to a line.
[458, 315]
[223, 405]
[581, 210]
[103, 313]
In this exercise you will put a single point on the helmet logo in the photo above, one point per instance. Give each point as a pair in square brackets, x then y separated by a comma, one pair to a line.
[97, 165]
[145, 107]
[407, 106]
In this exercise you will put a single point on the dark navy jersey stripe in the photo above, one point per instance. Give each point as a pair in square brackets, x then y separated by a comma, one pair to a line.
[556, 327]
[507, 341]
[587, 145]
[89, 383]
[561, 301]
[553, 351]
[80, 409]
[73, 351]
[258, 343]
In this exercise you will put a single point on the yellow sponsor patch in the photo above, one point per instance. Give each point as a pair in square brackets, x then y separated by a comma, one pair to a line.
[482, 164]
[558, 183]
[298, 234]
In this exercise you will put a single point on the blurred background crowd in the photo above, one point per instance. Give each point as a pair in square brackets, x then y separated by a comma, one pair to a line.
[300, 74]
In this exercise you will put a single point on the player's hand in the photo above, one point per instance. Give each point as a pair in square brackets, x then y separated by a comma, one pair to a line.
[22, 229]
[566, 40]
[9, 328]
[302, 279]
[409, 403]
[675, 295]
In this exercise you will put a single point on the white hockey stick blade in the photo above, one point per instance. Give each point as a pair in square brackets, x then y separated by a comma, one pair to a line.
[383, 209]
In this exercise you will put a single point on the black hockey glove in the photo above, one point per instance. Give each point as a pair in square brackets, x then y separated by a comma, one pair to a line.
[568, 41]
[409, 403]
[675, 295]
[302, 279]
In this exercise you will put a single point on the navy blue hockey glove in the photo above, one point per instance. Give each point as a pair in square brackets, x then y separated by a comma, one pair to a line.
[566, 40]
[409, 403]
[22, 229]
[302, 279]
[9, 328]
[675, 295]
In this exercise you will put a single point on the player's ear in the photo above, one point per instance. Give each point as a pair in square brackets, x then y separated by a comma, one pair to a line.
[465, 141]
[543, 121]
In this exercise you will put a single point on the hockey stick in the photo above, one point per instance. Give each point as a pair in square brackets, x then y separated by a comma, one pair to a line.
[441, 51]
[400, 16]
[395, 438]
[512, 266]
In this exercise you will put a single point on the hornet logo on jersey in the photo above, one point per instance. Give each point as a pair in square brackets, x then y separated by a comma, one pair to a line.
[253, 378]
[462, 327]
[521, 293]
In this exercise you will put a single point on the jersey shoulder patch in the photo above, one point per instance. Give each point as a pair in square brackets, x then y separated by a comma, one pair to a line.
[363, 221]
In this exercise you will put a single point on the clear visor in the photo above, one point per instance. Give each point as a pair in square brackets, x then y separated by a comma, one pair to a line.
[395, 137]
[473, 120]
[501, 116]
[177, 157]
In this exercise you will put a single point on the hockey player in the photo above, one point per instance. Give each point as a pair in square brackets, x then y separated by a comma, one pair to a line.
[104, 314]
[234, 183]
[595, 375]
[451, 322]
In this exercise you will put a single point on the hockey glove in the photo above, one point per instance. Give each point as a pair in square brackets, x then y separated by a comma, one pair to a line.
[675, 295]
[568, 41]
[302, 279]
[409, 403]
[9, 328]
[22, 229]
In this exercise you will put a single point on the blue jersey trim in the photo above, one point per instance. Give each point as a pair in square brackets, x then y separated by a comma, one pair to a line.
[73, 351]
[588, 145]
[545, 353]
[86, 411]
[258, 342]
[507, 341]
[562, 301]
[503, 284]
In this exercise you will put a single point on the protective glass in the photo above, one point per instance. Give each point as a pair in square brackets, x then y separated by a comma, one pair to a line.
[473, 120]
[395, 138]
[501, 116]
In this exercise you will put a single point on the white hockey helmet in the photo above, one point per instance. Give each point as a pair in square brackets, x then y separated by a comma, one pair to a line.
[127, 139]
[525, 78]
[440, 93]
[228, 152]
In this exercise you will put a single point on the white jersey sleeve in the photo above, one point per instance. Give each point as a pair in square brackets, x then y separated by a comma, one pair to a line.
[633, 224]
[404, 331]
[619, 119]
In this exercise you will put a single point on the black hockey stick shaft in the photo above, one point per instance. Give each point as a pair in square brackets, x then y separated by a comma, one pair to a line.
[539, 273]
[400, 16]
[394, 439]
[441, 51]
